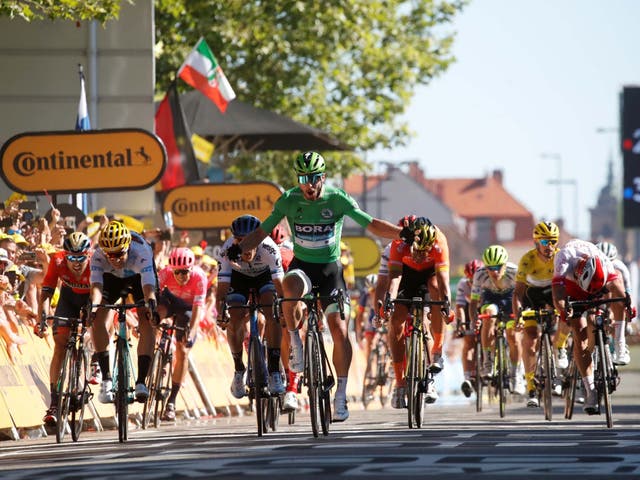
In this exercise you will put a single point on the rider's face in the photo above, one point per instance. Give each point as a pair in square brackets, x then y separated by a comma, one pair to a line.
[312, 188]
[546, 247]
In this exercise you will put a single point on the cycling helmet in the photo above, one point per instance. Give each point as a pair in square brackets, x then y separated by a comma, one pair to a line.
[370, 280]
[609, 249]
[546, 230]
[591, 274]
[471, 267]
[409, 218]
[77, 243]
[244, 225]
[495, 255]
[309, 162]
[181, 258]
[115, 237]
[278, 234]
[425, 235]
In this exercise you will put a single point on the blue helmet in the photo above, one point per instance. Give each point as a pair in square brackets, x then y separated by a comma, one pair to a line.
[244, 225]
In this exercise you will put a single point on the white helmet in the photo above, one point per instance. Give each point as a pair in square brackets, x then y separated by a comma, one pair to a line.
[609, 249]
[371, 280]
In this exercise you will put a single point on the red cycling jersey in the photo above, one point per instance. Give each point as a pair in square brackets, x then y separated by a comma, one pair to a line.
[193, 292]
[437, 256]
[58, 270]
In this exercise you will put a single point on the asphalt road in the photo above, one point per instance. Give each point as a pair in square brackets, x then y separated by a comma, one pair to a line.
[456, 442]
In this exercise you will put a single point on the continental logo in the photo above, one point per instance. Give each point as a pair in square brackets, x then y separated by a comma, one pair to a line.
[215, 205]
[91, 161]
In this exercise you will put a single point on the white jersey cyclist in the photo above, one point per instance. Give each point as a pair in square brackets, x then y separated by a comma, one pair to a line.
[139, 261]
[482, 282]
[267, 259]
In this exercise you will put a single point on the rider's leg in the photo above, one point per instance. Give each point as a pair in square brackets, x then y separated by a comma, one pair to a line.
[530, 341]
[488, 336]
[396, 342]
[437, 320]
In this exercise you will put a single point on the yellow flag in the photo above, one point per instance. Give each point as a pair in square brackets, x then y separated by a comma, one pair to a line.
[202, 148]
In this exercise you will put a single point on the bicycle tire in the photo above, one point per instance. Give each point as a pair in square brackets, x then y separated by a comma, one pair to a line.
[479, 384]
[386, 375]
[257, 371]
[80, 393]
[122, 390]
[274, 412]
[311, 378]
[155, 373]
[64, 394]
[324, 385]
[547, 376]
[164, 390]
[570, 384]
[602, 378]
[424, 378]
[369, 382]
[501, 372]
[412, 384]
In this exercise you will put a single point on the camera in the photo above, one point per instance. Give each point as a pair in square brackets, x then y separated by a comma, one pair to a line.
[165, 235]
[28, 256]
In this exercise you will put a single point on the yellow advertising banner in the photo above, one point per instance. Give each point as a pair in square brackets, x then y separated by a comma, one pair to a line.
[215, 205]
[366, 254]
[89, 161]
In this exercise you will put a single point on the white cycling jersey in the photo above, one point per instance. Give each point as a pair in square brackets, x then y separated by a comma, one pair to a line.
[139, 261]
[482, 281]
[568, 257]
[463, 292]
[267, 259]
[384, 261]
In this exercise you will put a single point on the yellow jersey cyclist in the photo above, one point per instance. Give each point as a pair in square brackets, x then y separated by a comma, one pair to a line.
[123, 260]
[315, 212]
[533, 291]
[492, 290]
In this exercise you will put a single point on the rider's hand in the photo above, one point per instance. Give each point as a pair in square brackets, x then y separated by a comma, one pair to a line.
[40, 332]
[233, 252]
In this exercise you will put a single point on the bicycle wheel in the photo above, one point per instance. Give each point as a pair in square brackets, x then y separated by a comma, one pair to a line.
[64, 389]
[569, 384]
[601, 377]
[501, 372]
[369, 382]
[385, 374]
[122, 390]
[411, 377]
[274, 413]
[80, 393]
[153, 384]
[163, 389]
[258, 375]
[325, 383]
[424, 379]
[547, 377]
[479, 384]
[311, 378]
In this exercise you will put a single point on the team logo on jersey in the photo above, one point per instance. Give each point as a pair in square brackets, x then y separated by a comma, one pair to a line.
[326, 213]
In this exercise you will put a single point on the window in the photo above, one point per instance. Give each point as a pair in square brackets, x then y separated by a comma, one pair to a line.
[505, 230]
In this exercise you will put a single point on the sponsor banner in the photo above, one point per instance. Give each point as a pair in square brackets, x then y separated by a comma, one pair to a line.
[215, 205]
[89, 161]
[366, 254]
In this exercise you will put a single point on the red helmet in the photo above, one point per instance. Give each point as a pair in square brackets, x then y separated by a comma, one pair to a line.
[278, 234]
[181, 258]
[591, 274]
[471, 267]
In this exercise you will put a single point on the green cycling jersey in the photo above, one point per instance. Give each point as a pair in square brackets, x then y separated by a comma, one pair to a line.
[316, 226]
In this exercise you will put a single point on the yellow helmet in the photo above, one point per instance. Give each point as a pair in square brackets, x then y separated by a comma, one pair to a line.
[425, 237]
[115, 237]
[546, 230]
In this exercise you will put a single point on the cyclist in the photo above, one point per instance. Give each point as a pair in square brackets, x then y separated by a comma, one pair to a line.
[315, 212]
[533, 291]
[583, 272]
[463, 322]
[621, 356]
[423, 264]
[492, 290]
[69, 267]
[365, 329]
[183, 289]
[258, 269]
[124, 260]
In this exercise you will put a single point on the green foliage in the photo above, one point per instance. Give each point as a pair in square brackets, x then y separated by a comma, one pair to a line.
[76, 10]
[348, 67]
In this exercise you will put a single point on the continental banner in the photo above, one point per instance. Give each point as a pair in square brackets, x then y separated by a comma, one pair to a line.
[215, 205]
[366, 254]
[89, 161]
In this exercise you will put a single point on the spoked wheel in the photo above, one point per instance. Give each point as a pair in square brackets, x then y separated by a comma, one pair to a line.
[311, 378]
[274, 412]
[547, 376]
[602, 375]
[369, 383]
[501, 373]
[153, 384]
[386, 376]
[64, 390]
[569, 385]
[324, 386]
[122, 395]
[163, 390]
[479, 384]
[413, 378]
[258, 378]
[424, 379]
[80, 394]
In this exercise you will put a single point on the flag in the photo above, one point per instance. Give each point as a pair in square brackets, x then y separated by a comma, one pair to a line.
[202, 71]
[82, 120]
[171, 127]
[202, 148]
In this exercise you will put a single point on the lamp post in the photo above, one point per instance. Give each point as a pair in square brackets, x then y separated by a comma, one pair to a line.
[560, 182]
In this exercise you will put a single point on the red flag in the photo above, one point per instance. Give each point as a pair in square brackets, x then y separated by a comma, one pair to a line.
[172, 128]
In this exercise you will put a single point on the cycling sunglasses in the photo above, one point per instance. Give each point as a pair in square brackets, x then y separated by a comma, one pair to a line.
[545, 242]
[309, 179]
[76, 258]
[494, 268]
[182, 271]
[119, 254]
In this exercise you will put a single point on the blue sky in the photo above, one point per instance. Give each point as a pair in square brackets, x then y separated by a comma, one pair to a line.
[531, 77]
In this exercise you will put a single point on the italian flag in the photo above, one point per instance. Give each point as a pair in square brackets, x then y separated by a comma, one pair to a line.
[202, 72]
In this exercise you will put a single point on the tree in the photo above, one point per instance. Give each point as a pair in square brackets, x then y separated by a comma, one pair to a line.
[100, 10]
[348, 67]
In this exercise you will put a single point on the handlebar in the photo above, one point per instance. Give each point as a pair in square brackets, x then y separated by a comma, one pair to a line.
[595, 303]
[312, 299]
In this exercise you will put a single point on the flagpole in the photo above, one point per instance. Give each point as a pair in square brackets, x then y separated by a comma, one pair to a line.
[174, 85]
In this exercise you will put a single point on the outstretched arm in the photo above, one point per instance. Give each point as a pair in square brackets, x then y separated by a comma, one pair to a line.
[382, 228]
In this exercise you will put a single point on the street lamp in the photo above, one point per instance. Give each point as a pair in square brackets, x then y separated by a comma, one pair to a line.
[560, 182]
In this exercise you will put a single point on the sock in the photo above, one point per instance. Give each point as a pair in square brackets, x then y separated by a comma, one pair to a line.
[292, 381]
[175, 388]
[273, 359]
[144, 362]
[467, 375]
[237, 362]
[561, 341]
[619, 332]
[341, 391]
[588, 383]
[530, 383]
[103, 361]
[295, 337]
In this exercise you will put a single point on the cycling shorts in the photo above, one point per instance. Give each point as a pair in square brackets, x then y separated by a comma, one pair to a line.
[536, 298]
[324, 278]
[241, 285]
[178, 308]
[413, 281]
[500, 300]
[69, 305]
[113, 286]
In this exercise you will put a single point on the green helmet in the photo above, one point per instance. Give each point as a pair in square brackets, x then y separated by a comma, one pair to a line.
[495, 255]
[308, 163]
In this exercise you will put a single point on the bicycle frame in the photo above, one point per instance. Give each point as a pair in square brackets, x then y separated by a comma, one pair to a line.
[478, 358]
[378, 371]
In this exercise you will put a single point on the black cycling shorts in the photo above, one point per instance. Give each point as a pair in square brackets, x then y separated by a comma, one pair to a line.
[326, 278]
[242, 284]
[69, 304]
[113, 287]
[414, 282]
[537, 297]
[178, 308]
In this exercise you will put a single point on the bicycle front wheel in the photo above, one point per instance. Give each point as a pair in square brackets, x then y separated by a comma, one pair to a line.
[258, 372]
[547, 377]
[502, 373]
[602, 375]
[122, 389]
[424, 379]
[479, 384]
[386, 375]
[311, 368]
[324, 385]
[569, 385]
[153, 384]
[64, 389]
[412, 377]
[80, 393]
[369, 382]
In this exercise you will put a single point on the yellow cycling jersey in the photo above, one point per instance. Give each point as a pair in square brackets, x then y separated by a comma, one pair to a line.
[534, 271]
